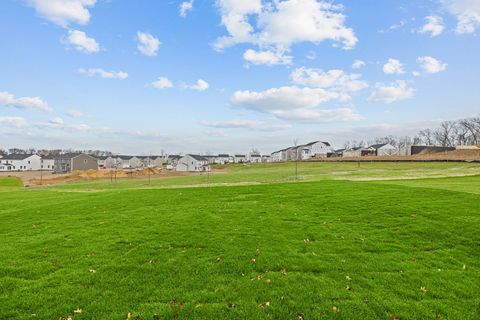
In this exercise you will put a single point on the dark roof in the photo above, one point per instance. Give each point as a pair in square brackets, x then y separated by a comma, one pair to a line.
[102, 157]
[174, 156]
[123, 157]
[240, 155]
[255, 156]
[378, 145]
[197, 157]
[223, 155]
[16, 156]
[70, 155]
[312, 143]
[47, 157]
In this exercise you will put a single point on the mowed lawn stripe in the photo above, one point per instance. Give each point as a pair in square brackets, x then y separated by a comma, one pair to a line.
[326, 250]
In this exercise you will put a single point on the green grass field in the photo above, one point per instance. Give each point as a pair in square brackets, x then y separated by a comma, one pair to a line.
[331, 245]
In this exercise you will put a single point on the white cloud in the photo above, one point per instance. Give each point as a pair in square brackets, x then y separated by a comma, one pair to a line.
[296, 104]
[185, 7]
[434, 26]
[393, 66]
[18, 122]
[389, 93]
[467, 13]
[36, 103]
[104, 73]
[245, 124]
[63, 12]
[82, 42]
[268, 58]
[200, 85]
[283, 98]
[357, 64]
[74, 113]
[431, 65]
[147, 44]
[57, 120]
[319, 115]
[162, 83]
[280, 24]
[335, 80]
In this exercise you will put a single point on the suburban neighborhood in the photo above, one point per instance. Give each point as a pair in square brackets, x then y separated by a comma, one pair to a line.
[316, 150]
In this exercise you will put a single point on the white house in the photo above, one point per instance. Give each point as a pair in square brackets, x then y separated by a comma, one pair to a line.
[20, 162]
[222, 159]
[385, 149]
[358, 152]
[240, 158]
[47, 163]
[254, 158]
[266, 158]
[192, 163]
[128, 162]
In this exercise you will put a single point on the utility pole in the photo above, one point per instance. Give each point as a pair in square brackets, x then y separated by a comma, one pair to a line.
[295, 142]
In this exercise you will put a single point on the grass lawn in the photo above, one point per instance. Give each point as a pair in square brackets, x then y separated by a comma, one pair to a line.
[319, 249]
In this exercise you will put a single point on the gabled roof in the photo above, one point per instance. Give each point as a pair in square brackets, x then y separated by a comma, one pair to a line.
[312, 143]
[67, 155]
[123, 157]
[197, 157]
[17, 156]
[378, 145]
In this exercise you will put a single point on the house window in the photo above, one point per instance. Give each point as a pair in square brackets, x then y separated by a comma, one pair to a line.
[28, 162]
[85, 161]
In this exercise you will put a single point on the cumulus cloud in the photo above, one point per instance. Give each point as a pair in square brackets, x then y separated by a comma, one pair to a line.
[185, 7]
[357, 64]
[336, 80]
[162, 83]
[245, 124]
[393, 66]
[57, 120]
[92, 72]
[34, 103]
[73, 113]
[81, 42]
[200, 85]
[147, 44]
[294, 103]
[17, 122]
[63, 12]
[431, 65]
[434, 26]
[389, 93]
[268, 58]
[467, 13]
[280, 24]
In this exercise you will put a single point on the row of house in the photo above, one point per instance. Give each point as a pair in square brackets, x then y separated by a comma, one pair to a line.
[315, 149]
[62, 163]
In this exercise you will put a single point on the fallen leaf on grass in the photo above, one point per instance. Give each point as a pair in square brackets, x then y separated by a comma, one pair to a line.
[335, 309]
[264, 304]
[78, 310]
[253, 261]
[231, 305]
[257, 252]
[284, 272]
[92, 270]
[87, 286]
[348, 278]
[282, 298]
[301, 316]
[348, 287]
[269, 280]
[45, 250]
[34, 226]
[306, 240]
[152, 262]
[218, 259]
[464, 267]
[129, 316]
[394, 317]
[89, 254]
[423, 289]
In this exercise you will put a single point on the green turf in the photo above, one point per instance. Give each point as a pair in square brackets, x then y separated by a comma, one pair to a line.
[187, 253]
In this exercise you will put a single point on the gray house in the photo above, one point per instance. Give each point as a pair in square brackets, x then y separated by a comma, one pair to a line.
[192, 163]
[74, 161]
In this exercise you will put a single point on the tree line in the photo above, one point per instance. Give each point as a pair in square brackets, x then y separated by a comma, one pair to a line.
[463, 132]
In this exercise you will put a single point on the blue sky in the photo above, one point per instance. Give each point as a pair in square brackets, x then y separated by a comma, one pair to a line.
[231, 75]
